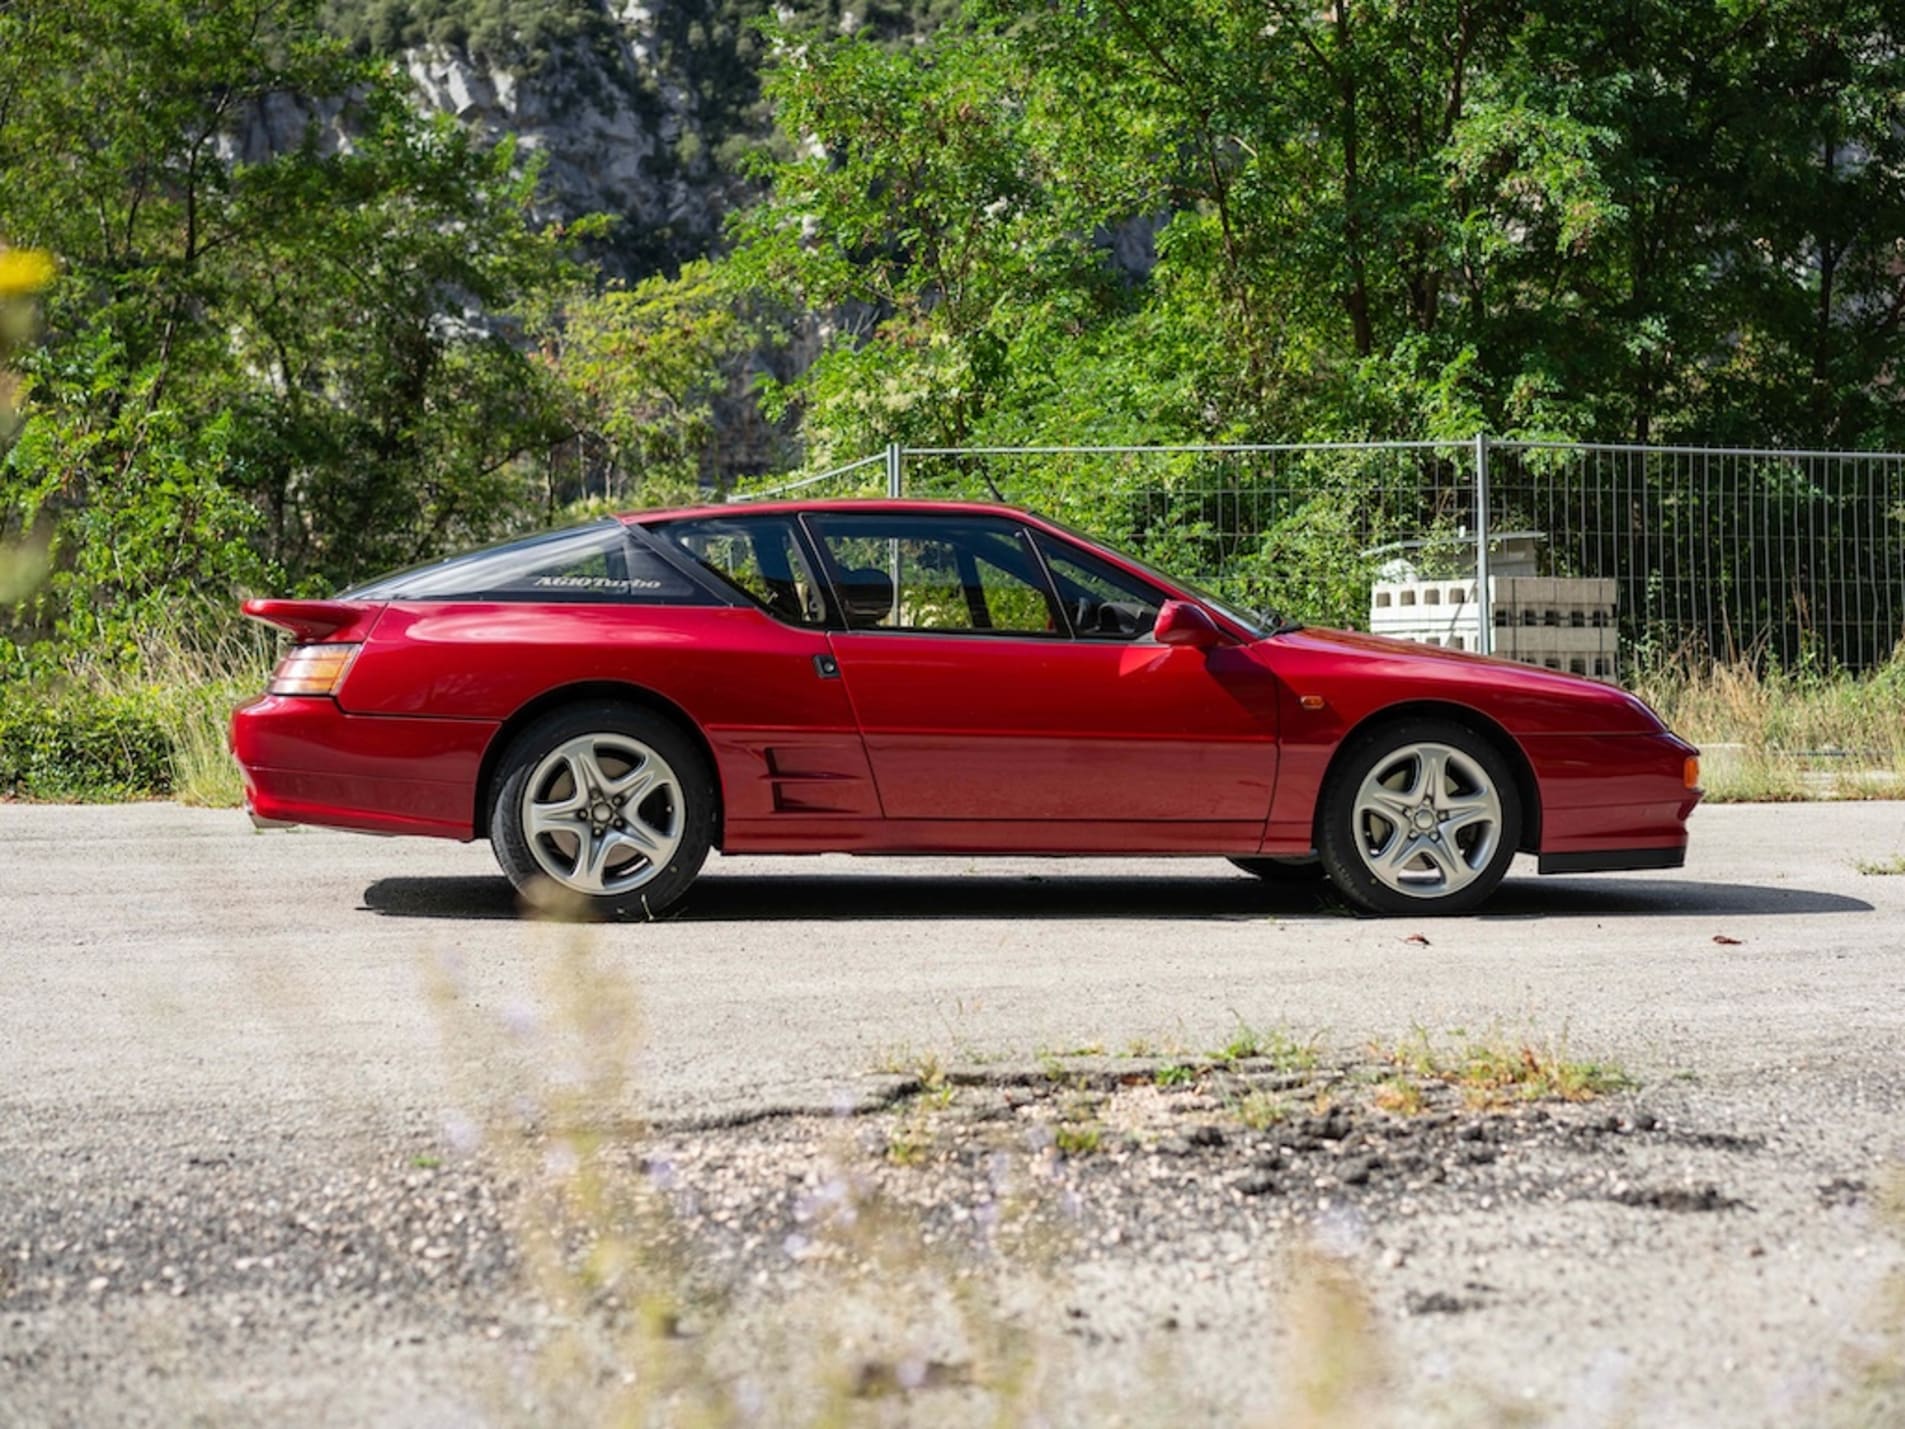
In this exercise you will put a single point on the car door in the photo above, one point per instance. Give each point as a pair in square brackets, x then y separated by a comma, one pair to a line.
[977, 700]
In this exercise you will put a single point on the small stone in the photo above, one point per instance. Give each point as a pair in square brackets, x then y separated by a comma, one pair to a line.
[1356, 1170]
[1205, 1135]
[1436, 1302]
[1257, 1183]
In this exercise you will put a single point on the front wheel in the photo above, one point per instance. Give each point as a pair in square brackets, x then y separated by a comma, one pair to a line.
[603, 811]
[1421, 816]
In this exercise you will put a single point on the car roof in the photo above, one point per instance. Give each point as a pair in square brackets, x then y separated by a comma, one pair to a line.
[871, 505]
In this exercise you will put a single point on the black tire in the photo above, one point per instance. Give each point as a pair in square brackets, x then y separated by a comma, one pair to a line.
[1455, 847]
[673, 814]
[1283, 870]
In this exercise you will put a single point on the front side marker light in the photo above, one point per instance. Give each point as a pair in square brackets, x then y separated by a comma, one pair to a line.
[312, 669]
[1692, 771]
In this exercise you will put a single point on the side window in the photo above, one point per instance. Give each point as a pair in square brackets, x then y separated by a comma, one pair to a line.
[759, 556]
[972, 576]
[1101, 601]
[590, 565]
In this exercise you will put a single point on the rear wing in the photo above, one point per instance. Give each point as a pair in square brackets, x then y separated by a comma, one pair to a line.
[318, 621]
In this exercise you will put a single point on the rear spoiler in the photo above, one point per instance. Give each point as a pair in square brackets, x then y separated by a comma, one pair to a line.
[312, 621]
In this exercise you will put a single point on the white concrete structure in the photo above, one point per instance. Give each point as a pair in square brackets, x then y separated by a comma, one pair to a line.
[1559, 623]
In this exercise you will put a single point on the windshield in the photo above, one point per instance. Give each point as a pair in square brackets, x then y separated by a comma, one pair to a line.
[1259, 623]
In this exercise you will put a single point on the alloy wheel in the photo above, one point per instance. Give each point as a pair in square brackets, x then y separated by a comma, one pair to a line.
[1427, 820]
[602, 813]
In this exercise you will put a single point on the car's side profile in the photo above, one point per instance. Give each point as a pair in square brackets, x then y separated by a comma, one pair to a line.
[607, 704]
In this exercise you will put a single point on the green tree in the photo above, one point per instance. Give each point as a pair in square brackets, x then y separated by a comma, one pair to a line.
[277, 348]
[914, 215]
[658, 384]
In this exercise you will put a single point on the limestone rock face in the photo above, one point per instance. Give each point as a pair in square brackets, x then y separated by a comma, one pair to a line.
[609, 130]
[619, 130]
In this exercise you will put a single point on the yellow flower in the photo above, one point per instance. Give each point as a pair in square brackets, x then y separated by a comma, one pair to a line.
[23, 271]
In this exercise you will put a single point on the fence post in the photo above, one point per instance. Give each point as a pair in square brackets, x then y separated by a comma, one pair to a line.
[894, 487]
[1484, 603]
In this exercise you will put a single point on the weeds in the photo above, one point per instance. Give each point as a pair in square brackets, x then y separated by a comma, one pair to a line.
[1786, 735]
[873, 1307]
[1282, 1051]
[153, 726]
[1078, 1138]
[1400, 1096]
[1259, 1110]
[1493, 1072]
[1882, 867]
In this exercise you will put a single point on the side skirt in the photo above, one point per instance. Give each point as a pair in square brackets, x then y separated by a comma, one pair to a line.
[807, 834]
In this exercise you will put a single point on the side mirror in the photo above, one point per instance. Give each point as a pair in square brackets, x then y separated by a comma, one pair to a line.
[1181, 623]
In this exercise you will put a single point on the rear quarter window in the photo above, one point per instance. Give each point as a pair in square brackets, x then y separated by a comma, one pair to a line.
[600, 564]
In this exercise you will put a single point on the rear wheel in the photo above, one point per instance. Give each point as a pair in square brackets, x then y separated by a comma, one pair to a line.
[1421, 816]
[603, 811]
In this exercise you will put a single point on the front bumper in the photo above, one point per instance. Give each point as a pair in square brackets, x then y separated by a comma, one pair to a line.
[305, 761]
[1614, 801]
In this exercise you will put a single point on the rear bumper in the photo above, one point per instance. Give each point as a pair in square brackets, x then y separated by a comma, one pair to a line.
[305, 761]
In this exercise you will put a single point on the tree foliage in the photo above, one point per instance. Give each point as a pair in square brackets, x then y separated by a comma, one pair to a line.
[1600, 220]
[267, 359]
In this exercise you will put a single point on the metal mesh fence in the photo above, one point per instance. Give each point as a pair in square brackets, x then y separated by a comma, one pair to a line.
[1729, 553]
[1797, 557]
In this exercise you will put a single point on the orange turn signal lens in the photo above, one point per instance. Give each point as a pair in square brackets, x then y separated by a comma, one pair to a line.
[1692, 773]
[312, 669]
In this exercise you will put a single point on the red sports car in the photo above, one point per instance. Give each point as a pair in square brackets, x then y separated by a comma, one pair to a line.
[605, 704]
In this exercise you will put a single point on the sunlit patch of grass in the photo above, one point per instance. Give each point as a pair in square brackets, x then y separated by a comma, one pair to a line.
[1399, 1096]
[1260, 1110]
[1079, 1138]
[1273, 1045]
[1882, 867]
[1495, 1071]
[1174, 1074]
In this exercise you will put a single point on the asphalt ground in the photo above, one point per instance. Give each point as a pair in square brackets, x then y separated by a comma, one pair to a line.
[218, 1047]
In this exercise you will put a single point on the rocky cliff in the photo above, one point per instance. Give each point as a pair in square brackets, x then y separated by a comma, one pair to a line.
[643, 111]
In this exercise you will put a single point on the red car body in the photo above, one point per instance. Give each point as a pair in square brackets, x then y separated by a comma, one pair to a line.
[830, 738]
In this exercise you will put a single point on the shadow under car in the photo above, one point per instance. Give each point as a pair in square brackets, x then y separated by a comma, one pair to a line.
[748, 898]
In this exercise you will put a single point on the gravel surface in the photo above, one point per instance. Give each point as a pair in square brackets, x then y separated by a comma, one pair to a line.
[313, 1127]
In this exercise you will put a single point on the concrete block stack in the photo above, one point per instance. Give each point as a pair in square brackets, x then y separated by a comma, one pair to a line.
[1556, 622]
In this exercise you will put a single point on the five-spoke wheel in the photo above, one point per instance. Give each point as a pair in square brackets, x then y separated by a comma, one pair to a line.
[603, 811]
[1421, 816]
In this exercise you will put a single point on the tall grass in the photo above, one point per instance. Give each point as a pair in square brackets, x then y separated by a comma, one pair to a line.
[148, 724]
[1774, 734]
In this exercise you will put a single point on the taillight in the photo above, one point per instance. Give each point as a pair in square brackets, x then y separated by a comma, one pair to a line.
[312, 669]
